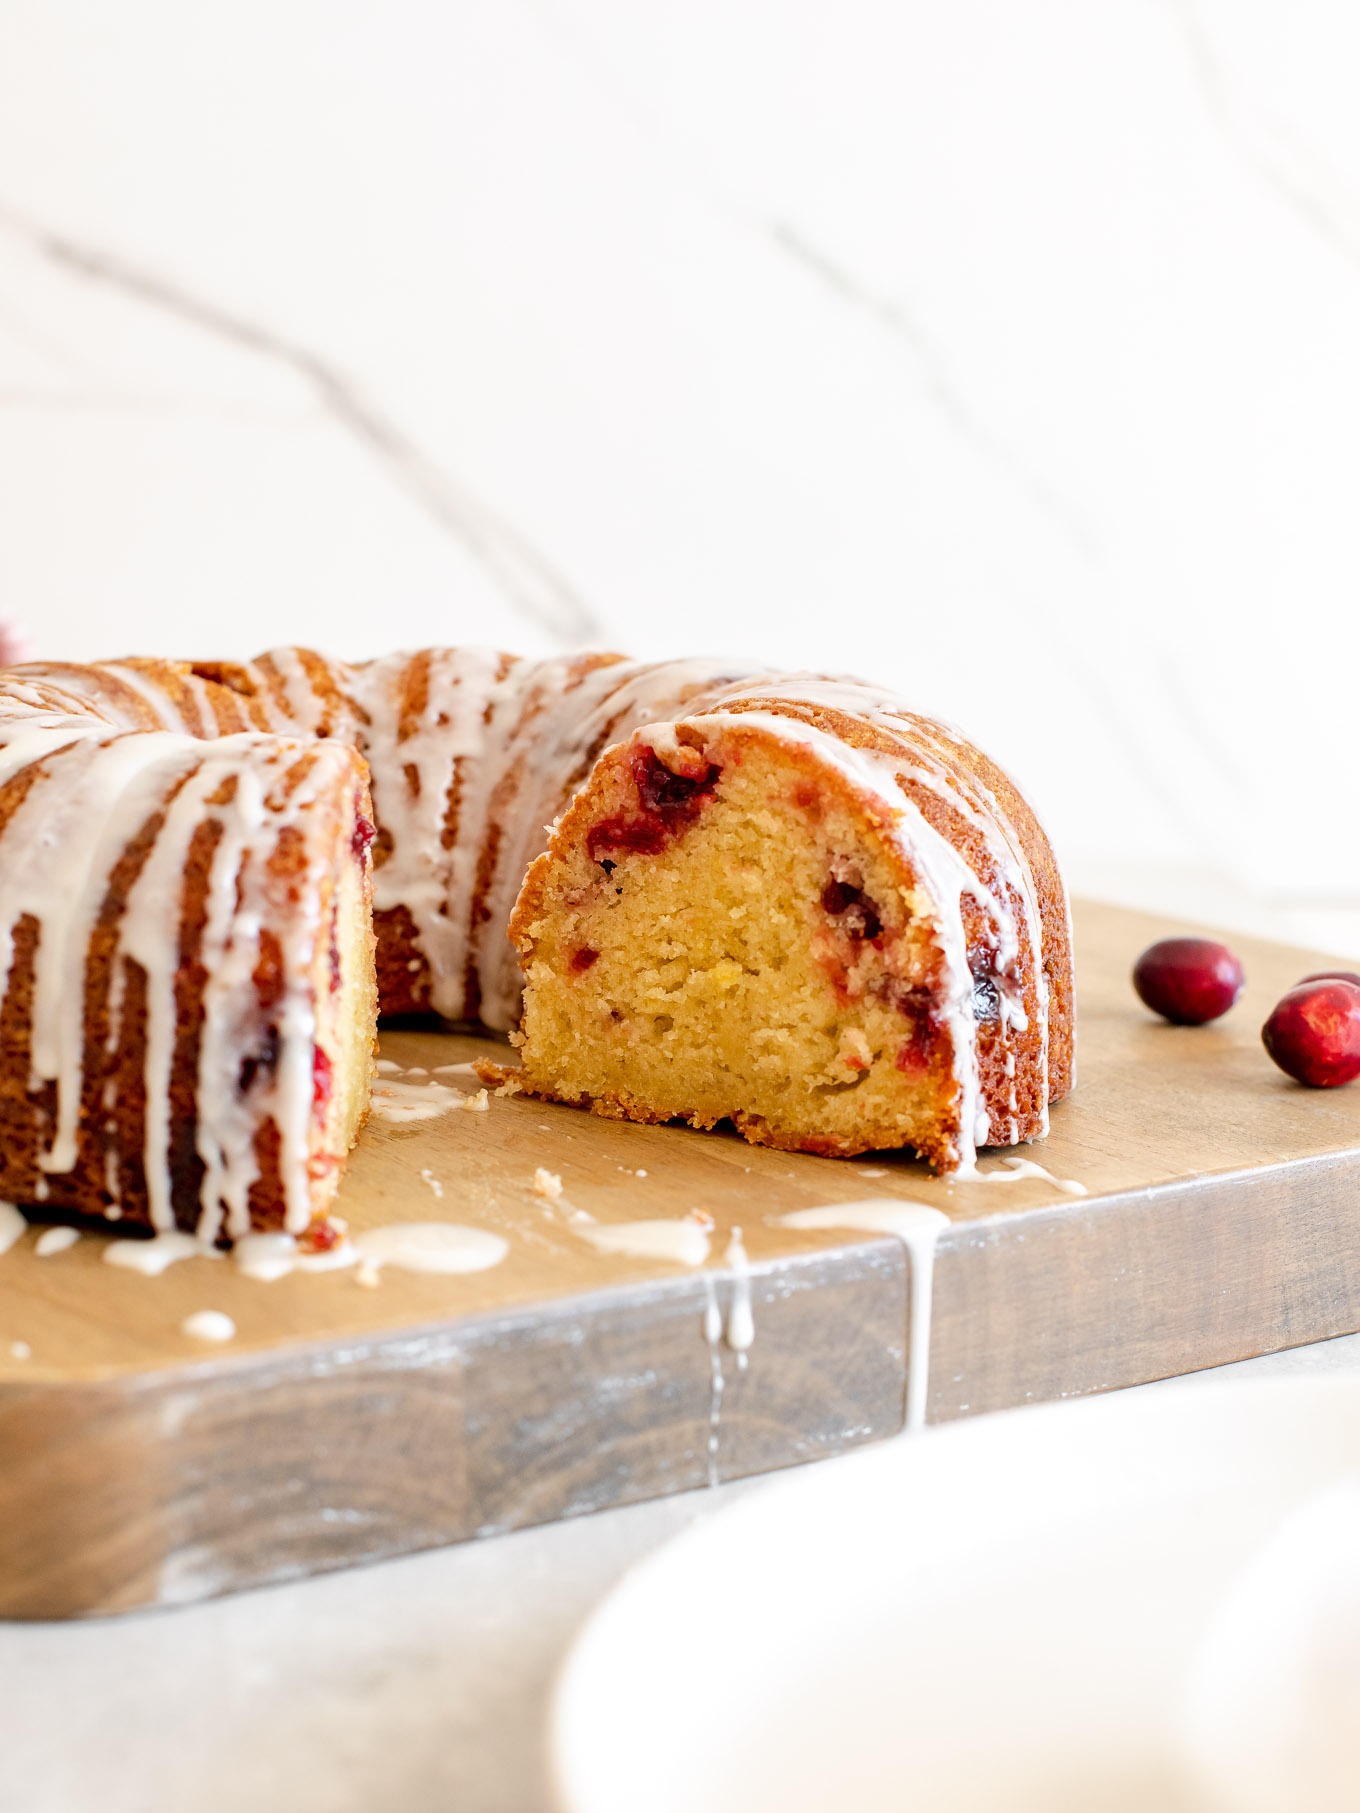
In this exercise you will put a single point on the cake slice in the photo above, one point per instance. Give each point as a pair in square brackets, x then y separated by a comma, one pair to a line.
[188, 1022]
[837, 927]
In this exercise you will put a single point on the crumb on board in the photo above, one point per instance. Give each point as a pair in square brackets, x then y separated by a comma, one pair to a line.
[20, 1350]
[479, 1103]
[547, 1183]
[367, 1274]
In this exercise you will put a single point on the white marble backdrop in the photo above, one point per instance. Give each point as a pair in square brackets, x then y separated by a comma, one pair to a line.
[1005, 349]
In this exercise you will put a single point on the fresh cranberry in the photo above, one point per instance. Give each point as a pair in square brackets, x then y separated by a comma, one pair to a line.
[1188, 980]
[361, 840]
[1314, 1033]
[1332, 975]
[323, 1081]
[857, 914]
[581, 960]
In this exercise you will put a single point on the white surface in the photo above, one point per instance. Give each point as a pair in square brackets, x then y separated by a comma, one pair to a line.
[1005, 349]
[420, 1684]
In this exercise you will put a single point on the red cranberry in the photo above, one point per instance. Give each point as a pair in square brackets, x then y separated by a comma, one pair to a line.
[1314, 1033]
[852, 907]
[361, 841]
[1332, 975]
[667, 804]
[582, 959]
[323, 1080]
[322, 1236]
[673, 798]
[644, 837]
[1188, 980]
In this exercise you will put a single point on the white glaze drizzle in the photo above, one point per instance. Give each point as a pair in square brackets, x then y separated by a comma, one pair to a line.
[682, 1242]
[741, 1327]
[431, 1246]
[208, 1325]
[13, 1226]
[713, 1330]
[394, 1100]
[152, 1257]
[268, 1257]
[1018, 1168]
[55, 1240]
[919, 1229]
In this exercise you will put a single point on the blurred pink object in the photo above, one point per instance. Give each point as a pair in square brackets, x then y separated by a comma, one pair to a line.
[14, 643]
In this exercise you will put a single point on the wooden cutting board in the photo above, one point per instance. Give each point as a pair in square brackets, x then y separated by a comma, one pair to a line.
[344, 1423]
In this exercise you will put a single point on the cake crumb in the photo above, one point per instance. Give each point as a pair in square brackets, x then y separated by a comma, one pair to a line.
[547, 1183]
[639, 1172]
[479, 1103]
[434, 1183]
[20, 1350]
[367, 1274]
[511, 1086]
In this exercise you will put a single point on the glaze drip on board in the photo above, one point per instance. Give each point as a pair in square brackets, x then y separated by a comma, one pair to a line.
[919, 1229]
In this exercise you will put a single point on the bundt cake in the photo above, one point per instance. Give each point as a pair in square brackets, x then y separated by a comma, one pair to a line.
[789, 902]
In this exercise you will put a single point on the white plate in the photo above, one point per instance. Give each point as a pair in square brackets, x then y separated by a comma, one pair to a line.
[993, 1618]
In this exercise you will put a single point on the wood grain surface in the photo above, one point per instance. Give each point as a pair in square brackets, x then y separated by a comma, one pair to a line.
[138, 1466]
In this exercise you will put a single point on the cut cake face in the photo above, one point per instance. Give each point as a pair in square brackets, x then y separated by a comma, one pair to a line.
[743, 918]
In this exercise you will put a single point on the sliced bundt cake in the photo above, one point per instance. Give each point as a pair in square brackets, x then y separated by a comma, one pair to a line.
[785, 901]
[810, 912]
